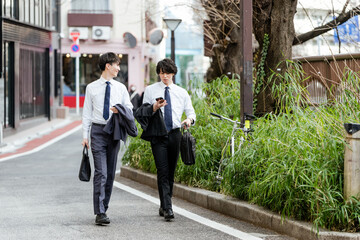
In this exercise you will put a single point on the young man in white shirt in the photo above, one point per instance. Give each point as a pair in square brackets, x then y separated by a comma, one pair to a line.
[172, 101]
[99, 97]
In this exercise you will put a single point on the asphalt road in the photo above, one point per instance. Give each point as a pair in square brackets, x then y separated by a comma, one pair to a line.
[42, 198]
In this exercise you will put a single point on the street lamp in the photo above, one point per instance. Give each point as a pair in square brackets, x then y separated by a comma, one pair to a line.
[172, 24]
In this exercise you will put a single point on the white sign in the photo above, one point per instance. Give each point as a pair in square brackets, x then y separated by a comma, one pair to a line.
[83, 31]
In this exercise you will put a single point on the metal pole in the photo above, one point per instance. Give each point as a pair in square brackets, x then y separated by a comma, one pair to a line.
[77, 84]
[246, 96]
[173, 45]
[77, 81]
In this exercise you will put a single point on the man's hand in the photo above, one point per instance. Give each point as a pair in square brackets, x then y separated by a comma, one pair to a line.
[158, 104]
[114, 109]
[85, 142]
[186, 123]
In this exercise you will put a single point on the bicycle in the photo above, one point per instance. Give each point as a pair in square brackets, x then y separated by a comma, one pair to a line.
[245, 128]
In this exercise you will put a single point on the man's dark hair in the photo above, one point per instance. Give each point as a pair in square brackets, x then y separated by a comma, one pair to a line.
[108, 57]
[166, 66]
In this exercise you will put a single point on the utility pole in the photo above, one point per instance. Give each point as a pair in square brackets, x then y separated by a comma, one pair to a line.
[246, 59]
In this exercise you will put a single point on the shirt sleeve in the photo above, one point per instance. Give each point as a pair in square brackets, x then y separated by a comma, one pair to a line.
[147, 96]
[126, 98]
[87, 114]
[189, 109]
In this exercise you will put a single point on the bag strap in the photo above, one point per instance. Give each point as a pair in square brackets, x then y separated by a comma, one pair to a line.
[183, 129]
[85, 151]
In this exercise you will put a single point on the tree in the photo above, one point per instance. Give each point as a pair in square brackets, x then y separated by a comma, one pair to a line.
[274, 18]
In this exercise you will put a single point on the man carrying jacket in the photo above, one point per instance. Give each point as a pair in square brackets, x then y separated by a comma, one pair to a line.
[100, 95]
[160, 116]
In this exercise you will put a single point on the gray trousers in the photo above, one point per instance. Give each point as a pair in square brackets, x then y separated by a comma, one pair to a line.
[105, 151]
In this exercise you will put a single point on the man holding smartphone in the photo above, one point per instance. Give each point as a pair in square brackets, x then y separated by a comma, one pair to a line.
[172, 101]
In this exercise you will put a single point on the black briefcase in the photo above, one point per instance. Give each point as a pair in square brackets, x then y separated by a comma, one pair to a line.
[85, 168]
[187, 147]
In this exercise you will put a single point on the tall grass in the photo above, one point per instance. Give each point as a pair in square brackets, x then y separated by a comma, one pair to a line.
[223, 96]
[293, 164]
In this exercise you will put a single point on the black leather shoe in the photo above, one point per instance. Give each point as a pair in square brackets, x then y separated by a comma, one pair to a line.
[102, 219]
[161, 212]
[168, 214]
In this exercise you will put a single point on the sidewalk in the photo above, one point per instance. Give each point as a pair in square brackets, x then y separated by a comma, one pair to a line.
[32, 138]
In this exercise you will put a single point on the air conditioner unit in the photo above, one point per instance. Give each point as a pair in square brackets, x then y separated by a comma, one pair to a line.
[84, 32]
[101, 33]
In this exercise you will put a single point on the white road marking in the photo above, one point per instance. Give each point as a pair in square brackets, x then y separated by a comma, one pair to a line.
[52, 141]
[218, 226]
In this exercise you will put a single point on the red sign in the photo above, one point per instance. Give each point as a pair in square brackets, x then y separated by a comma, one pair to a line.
[75, 36]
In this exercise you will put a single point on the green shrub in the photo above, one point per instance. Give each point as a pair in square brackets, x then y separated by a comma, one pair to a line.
[293, 164]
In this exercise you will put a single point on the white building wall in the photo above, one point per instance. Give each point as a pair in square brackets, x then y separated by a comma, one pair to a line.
[311, 14]
[128, 16]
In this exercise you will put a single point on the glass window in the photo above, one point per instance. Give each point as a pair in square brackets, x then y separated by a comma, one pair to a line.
[10, 8]
[7, 8]
[43, 13]
[32, 83]
[89, 72]
[90, 5]
[36, 12]
[48, 13]
[21, 10]
[31, 11]
[54, 15]
[26, 10]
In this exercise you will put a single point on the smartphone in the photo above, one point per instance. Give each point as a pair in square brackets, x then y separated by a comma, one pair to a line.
[159, 98]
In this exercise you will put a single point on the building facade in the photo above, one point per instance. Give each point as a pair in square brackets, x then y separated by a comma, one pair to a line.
[105, 26]
[30, 65]
[311, 14]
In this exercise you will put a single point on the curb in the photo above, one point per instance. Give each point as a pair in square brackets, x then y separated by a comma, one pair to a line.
[240, 209]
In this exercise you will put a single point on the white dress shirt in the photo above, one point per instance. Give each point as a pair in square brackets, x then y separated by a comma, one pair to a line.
[180, 101]
[94, 102]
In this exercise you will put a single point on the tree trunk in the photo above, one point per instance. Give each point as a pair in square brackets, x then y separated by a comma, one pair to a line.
[275, 18]
[224, 35]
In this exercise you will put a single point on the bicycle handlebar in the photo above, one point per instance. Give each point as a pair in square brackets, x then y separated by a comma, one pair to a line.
[225, 118]
[216, 115]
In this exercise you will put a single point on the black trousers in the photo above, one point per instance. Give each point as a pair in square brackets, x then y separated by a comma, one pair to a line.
[105, 151]
[166, 154]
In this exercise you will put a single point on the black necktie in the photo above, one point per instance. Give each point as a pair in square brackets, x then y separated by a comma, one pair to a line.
[168, 114]
[107, 101]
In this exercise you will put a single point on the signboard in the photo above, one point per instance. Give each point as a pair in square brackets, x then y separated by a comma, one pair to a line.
[75, 48]
[348, 31]
[75, 36]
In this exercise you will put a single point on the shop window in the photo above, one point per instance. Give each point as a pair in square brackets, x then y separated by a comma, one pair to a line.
[89, 72]
[90, 5]
[32, 83]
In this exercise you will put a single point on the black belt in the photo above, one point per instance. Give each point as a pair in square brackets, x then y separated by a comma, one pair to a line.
[98, 124]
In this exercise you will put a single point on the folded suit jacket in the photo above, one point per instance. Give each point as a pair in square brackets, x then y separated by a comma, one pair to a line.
[152, 123]
[121, 124]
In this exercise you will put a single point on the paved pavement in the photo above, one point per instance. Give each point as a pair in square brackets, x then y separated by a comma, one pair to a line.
[42, 198]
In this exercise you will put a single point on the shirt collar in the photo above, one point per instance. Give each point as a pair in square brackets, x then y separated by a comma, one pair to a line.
[103, 80]
[163, 85]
